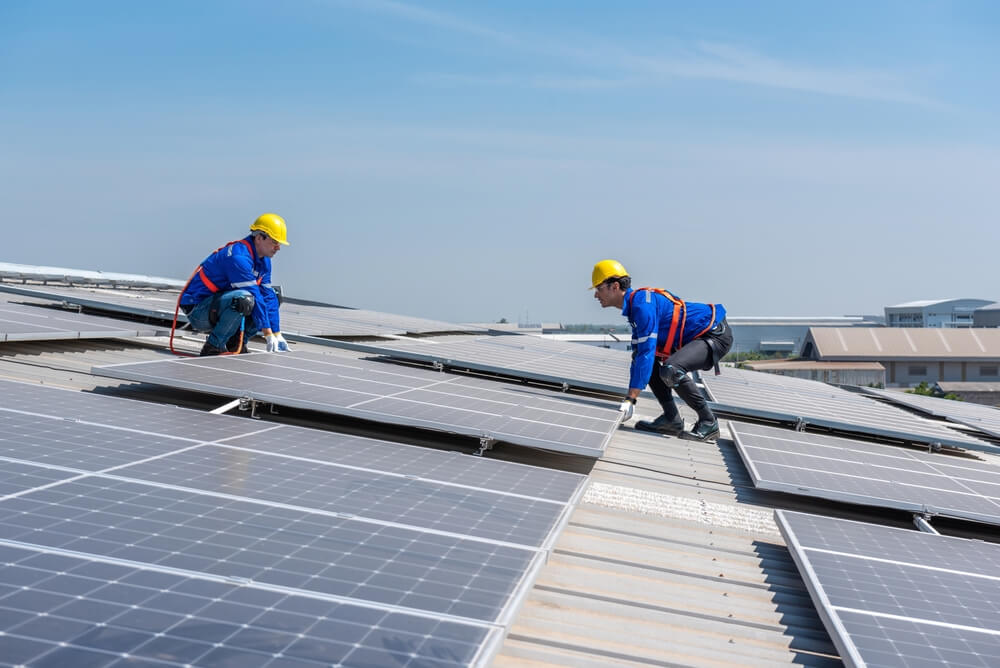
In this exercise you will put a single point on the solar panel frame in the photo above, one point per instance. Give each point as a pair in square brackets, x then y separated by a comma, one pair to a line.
[978, 416]
[782, 398]
[59, 512]
[891, 597]
[394, 395]
[299, 321]
[530, 357]
[132, 612]
[25, 322]
[849, 471]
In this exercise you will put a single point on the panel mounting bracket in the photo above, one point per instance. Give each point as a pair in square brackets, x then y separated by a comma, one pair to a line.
[800, 424]
[485, 443]
[564, 387]
[438, 365]
[934, 446]
[248, 403]
[922, 522]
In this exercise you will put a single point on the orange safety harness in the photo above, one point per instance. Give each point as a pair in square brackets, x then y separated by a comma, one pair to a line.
[679, 317]
[213, 288]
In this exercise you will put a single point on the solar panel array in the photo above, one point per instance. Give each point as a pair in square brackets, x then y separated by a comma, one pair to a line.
[774, 397]
[296, 319]
[134, 533]
[530, 357]
[892, 597]
[871, 474]
[393, 394]
[978, 416]
[23, 322]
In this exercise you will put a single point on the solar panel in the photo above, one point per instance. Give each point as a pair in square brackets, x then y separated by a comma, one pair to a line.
[893, 597]
[530, 357]
[774, 397]
[394, 395]
[872, 474]
[978, 416]
[71, 610]
[22, 322]
[260, 544]
[296, 318]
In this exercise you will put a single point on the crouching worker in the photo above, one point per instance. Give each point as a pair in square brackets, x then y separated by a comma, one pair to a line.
[670, 338]
[230, 292]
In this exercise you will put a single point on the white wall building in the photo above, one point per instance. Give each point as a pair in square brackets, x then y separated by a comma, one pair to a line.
[934, 313]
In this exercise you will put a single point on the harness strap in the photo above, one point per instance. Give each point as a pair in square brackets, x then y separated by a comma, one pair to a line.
[212, 287]
[679, 316]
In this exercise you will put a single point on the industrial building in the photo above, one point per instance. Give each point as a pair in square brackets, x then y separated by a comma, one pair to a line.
[987, 316]
[911, 356]
[837, 373]
[934, 313]
[785, 334]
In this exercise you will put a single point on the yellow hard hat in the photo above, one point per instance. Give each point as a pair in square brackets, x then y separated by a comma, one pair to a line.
[273, 226]
[606, 269]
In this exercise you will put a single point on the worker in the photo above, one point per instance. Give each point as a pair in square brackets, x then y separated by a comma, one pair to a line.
[230, 292]
[670, 338]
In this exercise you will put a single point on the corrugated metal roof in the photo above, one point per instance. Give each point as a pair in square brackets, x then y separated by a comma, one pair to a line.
[899, 343]
[672, 558]
[769, 365]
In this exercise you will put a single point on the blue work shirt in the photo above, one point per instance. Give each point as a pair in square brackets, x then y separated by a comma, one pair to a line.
[236, 266]
[649, 313]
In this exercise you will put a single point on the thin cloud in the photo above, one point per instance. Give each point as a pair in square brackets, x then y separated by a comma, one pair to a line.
[704, 61]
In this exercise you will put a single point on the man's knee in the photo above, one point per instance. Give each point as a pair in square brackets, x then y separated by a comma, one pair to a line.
[243, 303]
[672, 375]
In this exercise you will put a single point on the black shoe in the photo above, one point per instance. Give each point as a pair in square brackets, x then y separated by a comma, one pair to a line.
[704, 431]
[234, 341]
[661, 425]
[209, 349]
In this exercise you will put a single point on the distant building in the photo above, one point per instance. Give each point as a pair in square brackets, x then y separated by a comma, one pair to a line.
[987, 316]
[909, 355]
[975, 393]
[934, 313]
[838, 373]
[778, 334]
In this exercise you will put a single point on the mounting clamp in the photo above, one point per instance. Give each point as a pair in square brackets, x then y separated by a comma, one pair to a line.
[485, 443]
[438, 365]
[800, 424]
[248, 403]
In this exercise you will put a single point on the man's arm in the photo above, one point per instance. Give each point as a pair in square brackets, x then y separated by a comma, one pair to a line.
[644, 337]
[239, 271]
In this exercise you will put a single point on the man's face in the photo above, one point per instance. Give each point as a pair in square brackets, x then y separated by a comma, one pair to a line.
[266, 246]
[609, 294]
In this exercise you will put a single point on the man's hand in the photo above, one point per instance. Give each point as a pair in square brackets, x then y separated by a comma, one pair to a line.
[628, 408]
[276, 343]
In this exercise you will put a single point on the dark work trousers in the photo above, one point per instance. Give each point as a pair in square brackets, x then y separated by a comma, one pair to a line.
[699, 355]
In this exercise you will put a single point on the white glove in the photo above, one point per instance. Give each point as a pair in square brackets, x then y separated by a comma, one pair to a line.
[628, 408]
[276, 343]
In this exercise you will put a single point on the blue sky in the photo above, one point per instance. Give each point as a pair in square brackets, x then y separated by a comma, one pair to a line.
[471, 161]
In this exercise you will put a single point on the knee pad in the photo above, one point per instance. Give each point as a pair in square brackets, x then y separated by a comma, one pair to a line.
[243, 304]
[672, 376]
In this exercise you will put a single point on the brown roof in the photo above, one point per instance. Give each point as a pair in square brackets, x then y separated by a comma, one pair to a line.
[819, 365]
[900, 343]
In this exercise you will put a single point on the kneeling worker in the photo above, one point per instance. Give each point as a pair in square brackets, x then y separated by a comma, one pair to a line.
[232, 288]
[670, 337]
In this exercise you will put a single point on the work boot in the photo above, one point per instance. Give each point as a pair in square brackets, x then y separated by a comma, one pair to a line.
[662, 425]
[209, 349]
[233, 341]
[704, 430]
